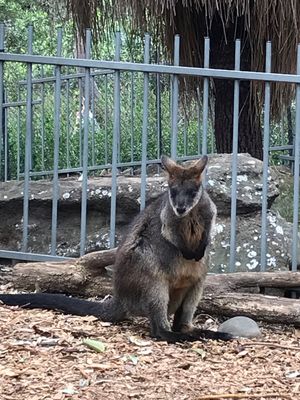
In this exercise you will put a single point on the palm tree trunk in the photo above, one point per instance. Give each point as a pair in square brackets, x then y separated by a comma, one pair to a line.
[250, 137]
[222, 56]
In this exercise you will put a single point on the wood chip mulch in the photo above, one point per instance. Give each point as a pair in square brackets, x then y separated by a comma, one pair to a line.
[43, 357]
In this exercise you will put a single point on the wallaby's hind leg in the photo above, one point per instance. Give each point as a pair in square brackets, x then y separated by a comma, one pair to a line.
[158, 315]
[183, 317]
[161, 330]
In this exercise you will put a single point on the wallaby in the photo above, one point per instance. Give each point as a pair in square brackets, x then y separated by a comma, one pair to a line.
[160, 265]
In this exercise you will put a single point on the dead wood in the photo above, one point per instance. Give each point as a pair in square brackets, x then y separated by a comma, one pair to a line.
[260, 307]
[88, 276]
[241, 281]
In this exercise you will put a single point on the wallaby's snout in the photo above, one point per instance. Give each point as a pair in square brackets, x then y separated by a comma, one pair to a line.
[181, 210]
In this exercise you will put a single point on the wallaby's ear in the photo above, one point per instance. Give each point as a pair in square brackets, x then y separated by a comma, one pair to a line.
[199, 166]
[168, 164]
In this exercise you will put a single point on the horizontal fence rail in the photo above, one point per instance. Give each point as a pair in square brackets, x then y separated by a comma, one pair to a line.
[152, 68]
[100, 117]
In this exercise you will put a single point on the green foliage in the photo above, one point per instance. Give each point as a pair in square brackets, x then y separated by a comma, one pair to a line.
[101, 107]
[17, 15]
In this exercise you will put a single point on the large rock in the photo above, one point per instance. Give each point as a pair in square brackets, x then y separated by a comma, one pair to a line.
[248, 243]
[249, 183]
[128, 204]
[249, 188]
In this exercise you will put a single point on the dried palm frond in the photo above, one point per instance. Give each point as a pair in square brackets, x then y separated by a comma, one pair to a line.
[263, 20]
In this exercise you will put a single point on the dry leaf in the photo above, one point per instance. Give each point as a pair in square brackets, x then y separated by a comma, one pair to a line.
[105, 323]
[9, 372]
[201, 352]
[297, 333]
[242, 353]
[145, 351]
[139, 342]
[293, 374]
[101, 367]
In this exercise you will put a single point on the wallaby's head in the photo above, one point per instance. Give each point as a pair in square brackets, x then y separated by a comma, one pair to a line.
[185, 184]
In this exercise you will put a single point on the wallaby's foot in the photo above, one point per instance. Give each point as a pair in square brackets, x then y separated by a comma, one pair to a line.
[203, 334]
[176, 337]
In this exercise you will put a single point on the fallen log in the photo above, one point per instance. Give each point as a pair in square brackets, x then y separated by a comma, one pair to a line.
[88, 276]
[278, 310]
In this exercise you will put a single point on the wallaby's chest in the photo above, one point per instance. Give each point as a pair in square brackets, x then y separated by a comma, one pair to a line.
[186, 273]
[191, 231]
[188, 231]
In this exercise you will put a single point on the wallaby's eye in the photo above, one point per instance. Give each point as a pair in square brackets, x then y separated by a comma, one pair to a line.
[192, 192]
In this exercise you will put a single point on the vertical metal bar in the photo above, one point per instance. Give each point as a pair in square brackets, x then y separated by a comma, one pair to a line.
[175, 93]
[27, 144]
[145, 123]
[68, 121]
[212, 139]
[171, 108]
[116, 135]
[266, 144]
[80, 120]
[158, 115]
[198, 122]
[57, 110]
[296, 173]
[185, 136]
[282, 141]
[205, 97]
[18, 135]
[234, 158]
[1, 94]
[87, 78]
[105, 121]
[43, 120]
[5, 140]
[132, 98]
[93, 118]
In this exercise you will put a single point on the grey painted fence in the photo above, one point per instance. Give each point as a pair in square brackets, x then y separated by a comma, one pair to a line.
[65, 88]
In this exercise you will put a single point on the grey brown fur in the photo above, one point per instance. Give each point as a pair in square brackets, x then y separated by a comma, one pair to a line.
[160, 265]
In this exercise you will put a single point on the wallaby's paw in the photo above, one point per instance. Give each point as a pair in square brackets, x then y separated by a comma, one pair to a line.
[176, 337]
[203, 334]
[223, 336]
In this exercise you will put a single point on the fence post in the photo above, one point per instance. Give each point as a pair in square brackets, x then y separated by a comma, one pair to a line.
[57, 101]
[145, 123]
[28, 144]
[18, 135]
[175, 92]
[266, 144]
[296, 172]
[205, 97]
[158, 109]
[85, 154]
[132, 119]
[43, 118]
[236, 107]
[2, 116]
[116, 137]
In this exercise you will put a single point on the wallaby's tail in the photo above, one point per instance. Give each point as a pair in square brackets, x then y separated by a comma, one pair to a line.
[107, 310]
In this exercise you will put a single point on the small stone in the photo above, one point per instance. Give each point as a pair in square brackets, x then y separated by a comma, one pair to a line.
[240, 327]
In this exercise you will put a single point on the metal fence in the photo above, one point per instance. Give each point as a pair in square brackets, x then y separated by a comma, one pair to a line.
[75, 85]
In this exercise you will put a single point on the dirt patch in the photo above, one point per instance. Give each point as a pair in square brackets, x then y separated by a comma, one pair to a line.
[42, 357]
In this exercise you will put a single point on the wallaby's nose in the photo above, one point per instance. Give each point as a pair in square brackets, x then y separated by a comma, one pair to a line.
[180, 210]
